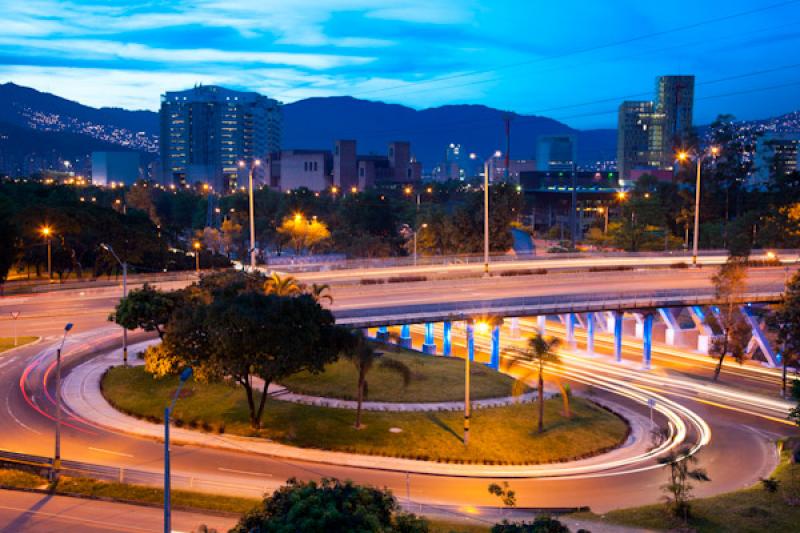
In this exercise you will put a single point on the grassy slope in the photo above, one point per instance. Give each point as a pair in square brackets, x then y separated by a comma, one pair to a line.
[6, 343]
[434, 379]
[749, 510]
[500, 435]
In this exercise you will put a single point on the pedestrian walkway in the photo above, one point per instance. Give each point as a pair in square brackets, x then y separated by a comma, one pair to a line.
[82, 395]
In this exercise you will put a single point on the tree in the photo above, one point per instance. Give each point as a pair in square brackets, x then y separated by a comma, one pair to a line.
[794, 414]
[541, 524]
[147, 308]
[729, 285]
[248, 334]
[786, 320]
[363, 356]
[504, 492]
[678, 491]
[282, 286]
[321, 292]
[539, 352]
[8, 241]
[330, 505]
[303, 234]
[231, 236]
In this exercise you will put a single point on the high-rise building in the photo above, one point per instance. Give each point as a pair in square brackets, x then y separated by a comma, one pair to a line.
[639, 137]
[555, 152]
[207, 130]
[674, 100]
[777, 154]
[115, 167]
[650, 133]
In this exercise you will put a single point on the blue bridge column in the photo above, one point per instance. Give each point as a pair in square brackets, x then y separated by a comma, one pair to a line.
[590, 333]
[541, 323]
[570, 319]
[618, 336]
[429, 347]
[494, 361]
[647, 341]
[382, 334]
[470, 330]
[447, 338]
[405, 336]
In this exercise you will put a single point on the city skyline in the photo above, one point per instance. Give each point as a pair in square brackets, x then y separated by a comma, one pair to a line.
[418, 54]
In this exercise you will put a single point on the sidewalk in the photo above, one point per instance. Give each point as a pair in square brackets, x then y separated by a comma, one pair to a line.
[82, 395]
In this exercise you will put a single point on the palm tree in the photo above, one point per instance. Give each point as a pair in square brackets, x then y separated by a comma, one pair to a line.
[281, 286]
[539, 352]
[363, 356]
[321, 292]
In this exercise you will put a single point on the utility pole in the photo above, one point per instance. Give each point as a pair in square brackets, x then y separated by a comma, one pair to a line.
[486, 218]
[507, 120]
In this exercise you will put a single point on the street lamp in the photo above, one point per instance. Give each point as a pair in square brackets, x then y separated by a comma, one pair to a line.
[683, 157]
[57, 455]
[252, 168]
[46, 232]
[415, 242]
[124, 266]
[184, 377]
[196, 246]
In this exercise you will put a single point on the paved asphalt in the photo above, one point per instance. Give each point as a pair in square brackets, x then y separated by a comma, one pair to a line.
[738, 454]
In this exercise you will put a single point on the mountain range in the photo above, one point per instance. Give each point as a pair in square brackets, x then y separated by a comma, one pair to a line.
[38, 128]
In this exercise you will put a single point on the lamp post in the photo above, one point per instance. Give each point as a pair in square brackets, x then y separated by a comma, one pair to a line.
[699, 158]
[251, 170]
[57, 454]
[196, 246]
[47, 232]
[185, 375]
[486, 214]
[124, 265]
[415, 242]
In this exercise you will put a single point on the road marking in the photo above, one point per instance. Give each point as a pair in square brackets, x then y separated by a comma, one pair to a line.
[261, 474]
[60, 516]
[111, 452]
[17, 420]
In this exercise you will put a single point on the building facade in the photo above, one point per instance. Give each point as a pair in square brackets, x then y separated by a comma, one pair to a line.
[207, 130]
[777, 154]
[555, 153]
[310, 169]
[351, 170]
[675, 101]
[121, 168]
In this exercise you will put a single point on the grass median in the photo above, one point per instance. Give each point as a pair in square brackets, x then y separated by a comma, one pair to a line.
[433, 379]
[502, 435]
[750, 510]
[7, 343]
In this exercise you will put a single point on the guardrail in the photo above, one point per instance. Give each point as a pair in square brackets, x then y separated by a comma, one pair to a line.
[538, 305]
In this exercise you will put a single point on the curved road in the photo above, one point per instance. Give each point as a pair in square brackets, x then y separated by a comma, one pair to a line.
[739, 451]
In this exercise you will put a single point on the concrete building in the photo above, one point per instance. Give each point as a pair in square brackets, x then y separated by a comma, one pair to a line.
[295, 169]
[555, 153]
[115, 167]
[777, 154]
[650, 133]
[350, 170]
[207, 130]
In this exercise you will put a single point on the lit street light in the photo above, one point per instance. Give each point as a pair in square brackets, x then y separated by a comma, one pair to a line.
[46, 232]
[699, 158]
[124, 266]
[184, 377]
[196, 246]
[57, 455]
[252, 168]
[415, 242]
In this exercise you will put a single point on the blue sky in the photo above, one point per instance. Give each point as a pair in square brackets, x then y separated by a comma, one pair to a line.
[571, 60]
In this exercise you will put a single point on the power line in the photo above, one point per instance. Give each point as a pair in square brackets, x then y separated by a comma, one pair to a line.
[588, 49]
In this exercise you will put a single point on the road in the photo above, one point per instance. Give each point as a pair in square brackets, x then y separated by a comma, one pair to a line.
[737, 437]
[39, 513]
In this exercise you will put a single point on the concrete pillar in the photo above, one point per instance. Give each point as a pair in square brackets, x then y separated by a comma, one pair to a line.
[570, 324]
[470, 330]
[515, 327]
[429, 346]
[647, 341]
[405, 336]
[638, 331]
[541, 321]
[618, 336]
[590, 324]
[447, 338]
[673, 332]
[705, 333]
[494, 361]
[383, 334]
[760, 339]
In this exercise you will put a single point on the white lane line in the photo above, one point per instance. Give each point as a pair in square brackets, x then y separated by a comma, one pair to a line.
[60, 516]
[261, 474]
[17, 420]
[111, 452]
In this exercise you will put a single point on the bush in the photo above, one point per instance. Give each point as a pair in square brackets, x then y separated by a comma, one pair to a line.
[524, 272]
[680, 264]
[542, 524]
[406, 279]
